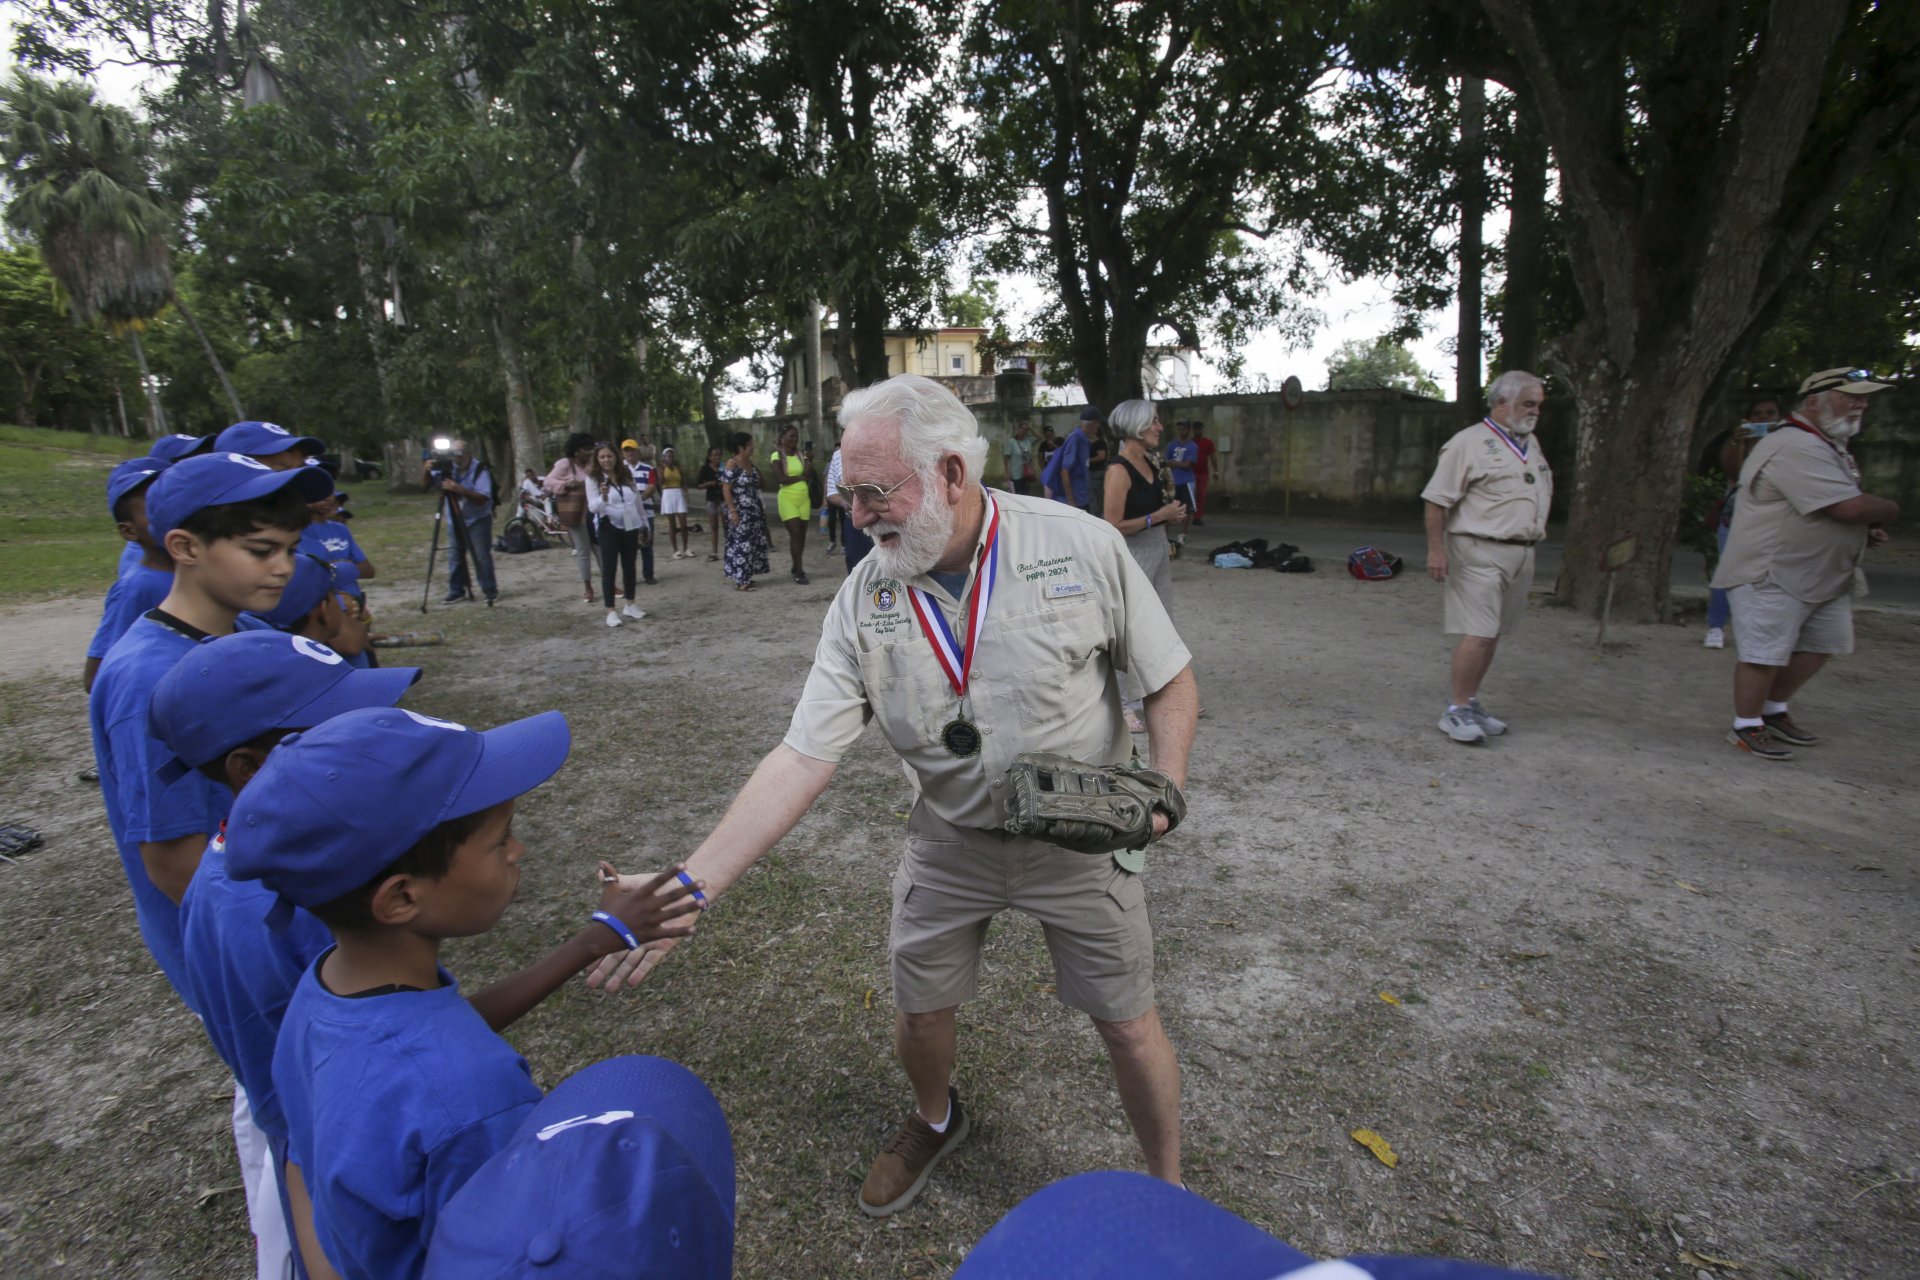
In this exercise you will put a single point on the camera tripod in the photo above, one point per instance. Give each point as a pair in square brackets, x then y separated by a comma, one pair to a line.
[448, 513]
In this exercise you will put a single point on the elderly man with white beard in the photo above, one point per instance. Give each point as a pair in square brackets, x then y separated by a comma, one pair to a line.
[1486, 508]
[1791, 566]
[983, 625]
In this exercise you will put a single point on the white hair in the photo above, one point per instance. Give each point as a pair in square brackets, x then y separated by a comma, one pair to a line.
[931, 419]
[1131, 418]
[1510, 384]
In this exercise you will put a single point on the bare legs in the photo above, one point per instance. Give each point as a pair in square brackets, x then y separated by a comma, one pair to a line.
[1144, 1069]
[1471, 658]
[797, 544]
[1754, 685]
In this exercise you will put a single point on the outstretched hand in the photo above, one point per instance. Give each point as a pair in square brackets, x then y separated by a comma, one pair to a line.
[650, 906]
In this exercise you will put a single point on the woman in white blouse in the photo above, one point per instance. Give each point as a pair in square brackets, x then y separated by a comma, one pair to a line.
[614, 501]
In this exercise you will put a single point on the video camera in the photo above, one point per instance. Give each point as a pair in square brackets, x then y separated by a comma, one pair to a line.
[440, 459]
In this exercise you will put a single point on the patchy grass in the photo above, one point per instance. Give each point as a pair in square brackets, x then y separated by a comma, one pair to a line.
[56, 537]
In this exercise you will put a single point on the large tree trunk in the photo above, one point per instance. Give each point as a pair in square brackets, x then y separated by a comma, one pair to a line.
[1695, 170]
[1473, 208]
[710, 394]
[156, 416]
[522, 426]
[1629, 479]
[1526, 237]
[219, 370]
[869, 324]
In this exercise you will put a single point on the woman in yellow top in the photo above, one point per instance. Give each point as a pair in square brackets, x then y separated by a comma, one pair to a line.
[793, 472]
[673, 504]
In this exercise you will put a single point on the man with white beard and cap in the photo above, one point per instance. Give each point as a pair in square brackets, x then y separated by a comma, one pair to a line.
[1793, 554]
[1486, 509]
[983, 625]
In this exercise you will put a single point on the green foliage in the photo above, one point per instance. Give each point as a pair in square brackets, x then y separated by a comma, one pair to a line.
[54, 370]
[1361, 364]
[79, 170]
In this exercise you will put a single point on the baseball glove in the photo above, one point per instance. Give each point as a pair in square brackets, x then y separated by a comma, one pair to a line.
[1091, 808]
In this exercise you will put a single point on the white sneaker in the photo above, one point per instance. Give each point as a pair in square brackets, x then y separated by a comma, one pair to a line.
[1716, 638]
[1461, 726]
[613, 619]
[634, 612]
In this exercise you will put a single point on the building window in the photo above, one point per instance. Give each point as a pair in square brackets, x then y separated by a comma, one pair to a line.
[957, 363]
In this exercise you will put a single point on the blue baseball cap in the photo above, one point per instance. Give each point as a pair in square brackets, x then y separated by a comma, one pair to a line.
[346, 578]
[233, 689]
[1128, 1226]
[312, 579]
[129, 476]
[624, 1171]
[335, 806]
[175, 447]
[263, 438]
[215, 479]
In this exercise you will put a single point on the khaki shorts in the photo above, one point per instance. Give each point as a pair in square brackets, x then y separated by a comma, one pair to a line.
[1770, 626]
[953, 881]
[1487, 585]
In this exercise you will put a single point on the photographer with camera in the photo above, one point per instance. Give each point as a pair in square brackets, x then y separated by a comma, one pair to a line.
[466, 493]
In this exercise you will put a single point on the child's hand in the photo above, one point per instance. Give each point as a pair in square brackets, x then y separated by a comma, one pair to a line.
[647, 906]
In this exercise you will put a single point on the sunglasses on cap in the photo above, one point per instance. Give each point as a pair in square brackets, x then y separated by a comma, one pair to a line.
[1840, 379]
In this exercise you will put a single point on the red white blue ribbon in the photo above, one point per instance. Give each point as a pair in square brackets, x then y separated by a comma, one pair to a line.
[1501, 431]
[954, 660]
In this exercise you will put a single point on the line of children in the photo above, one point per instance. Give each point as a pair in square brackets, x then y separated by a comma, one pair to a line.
[403, 823]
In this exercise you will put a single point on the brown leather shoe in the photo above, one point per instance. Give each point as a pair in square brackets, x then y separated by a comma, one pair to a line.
[902, 1166]
[1781, 726]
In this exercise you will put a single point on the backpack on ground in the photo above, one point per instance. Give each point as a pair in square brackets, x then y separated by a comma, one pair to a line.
[1370, 564]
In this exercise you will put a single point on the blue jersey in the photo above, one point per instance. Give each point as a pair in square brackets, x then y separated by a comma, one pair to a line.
[140, 807]
[130, 555]
[392, 1101]
[331, 541]
[1182, 457]
[133, 593]
[1068, 469]
[240, 974]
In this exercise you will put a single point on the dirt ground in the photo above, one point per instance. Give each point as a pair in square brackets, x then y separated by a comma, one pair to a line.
[1654, 1002]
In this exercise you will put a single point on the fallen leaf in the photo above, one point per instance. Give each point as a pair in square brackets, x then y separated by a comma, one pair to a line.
[1376, 1144]
[1225, 924]
[1529, 1010]
[1693, 1259]
[1601, 1254]
[869, 997]
[1389, 997]
[1691, 888]
[211, 1192]
[1865, 866]
[1433, 782]
[1515, 957]
[1528, 826]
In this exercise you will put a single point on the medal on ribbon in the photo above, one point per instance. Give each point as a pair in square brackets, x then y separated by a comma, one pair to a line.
[961, 737]
[1518, 452]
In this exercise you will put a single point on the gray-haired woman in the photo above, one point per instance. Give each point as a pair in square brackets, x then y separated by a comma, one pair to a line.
[1136, 505]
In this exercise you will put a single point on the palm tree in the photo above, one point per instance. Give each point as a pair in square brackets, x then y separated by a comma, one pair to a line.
[79, 171]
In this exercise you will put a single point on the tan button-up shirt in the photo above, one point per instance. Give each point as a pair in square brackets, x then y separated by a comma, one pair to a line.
[1778, 534]
[1490, 491]
[1070, 607]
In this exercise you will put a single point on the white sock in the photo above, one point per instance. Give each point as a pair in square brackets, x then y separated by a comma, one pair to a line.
[1747, 722]
[1772, 708]
[942, 1126]
[1454, 706]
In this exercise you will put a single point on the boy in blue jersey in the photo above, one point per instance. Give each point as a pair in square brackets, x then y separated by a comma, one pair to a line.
[1183, 456]
[168, 449]
[220, 710]
[230, 526]
[329, 538]
[396, 830]
[145, 582]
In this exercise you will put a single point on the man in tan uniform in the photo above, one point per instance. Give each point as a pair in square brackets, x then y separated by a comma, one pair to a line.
[982, 626]
[1486, 508]
[1793, 556]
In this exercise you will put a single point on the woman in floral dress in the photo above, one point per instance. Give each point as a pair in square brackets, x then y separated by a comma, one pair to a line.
[747, 542]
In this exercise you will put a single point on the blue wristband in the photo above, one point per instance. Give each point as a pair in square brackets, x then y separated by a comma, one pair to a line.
[688, 881]
[619, 926]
